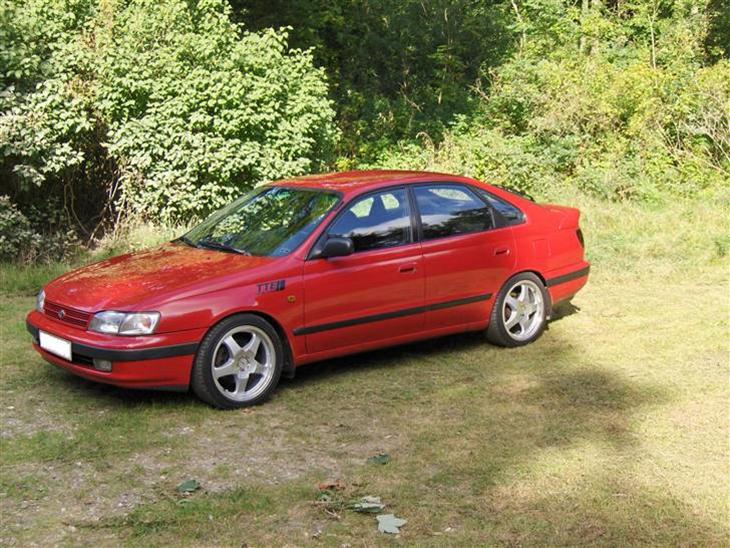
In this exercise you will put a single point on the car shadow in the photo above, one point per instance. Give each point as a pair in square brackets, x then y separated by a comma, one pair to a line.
[563, 310]
[386, 357]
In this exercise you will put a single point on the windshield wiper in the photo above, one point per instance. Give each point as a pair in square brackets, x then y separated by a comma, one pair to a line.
[221, 247]
[186, 240]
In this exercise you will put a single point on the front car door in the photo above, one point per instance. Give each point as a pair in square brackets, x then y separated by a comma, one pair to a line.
[377, 292]
[468, 253]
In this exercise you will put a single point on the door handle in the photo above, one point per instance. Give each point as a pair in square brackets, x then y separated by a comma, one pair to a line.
[504, 250]
[406, 268]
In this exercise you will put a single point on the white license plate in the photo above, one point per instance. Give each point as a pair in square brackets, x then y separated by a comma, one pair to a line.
[55, 345]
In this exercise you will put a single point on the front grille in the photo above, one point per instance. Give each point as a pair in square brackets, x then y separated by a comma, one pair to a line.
[67, 315]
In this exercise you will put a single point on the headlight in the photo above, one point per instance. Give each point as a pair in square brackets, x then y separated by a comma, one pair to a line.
[125, 323]
[40, 300]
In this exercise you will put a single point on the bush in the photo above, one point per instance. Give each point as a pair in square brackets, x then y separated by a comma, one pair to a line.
[606, 114]
[22, 242]
[168, 105]
[15, 232]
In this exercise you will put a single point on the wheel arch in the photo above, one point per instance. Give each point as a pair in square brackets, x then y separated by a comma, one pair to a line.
[531, 271]
[288, 369]
[544, 283]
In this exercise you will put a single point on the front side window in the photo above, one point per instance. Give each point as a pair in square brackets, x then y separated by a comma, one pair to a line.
[448, 210]
[269, 222]
[377, 221]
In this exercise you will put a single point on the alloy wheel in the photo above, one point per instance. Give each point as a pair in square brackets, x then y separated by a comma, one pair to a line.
[243, 363]
[523, 310]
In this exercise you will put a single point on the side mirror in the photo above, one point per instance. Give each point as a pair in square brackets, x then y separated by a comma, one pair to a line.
[337, 247]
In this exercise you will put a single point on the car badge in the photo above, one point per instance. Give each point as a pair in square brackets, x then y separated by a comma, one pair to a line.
[61, 314]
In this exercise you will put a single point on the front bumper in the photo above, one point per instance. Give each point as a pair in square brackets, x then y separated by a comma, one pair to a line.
[162, 361]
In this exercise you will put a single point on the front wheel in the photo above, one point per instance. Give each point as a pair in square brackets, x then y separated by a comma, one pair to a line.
[520, 314]
[239, 363]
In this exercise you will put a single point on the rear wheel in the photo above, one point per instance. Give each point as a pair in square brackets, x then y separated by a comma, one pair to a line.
[520, 314]
[239, 363]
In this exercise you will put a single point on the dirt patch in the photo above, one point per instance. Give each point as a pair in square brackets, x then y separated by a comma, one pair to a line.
[226, 450]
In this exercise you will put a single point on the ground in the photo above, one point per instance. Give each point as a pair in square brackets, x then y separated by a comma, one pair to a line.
[611, 429]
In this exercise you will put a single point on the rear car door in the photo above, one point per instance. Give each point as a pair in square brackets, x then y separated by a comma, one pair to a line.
[468, 253]
[377, 292]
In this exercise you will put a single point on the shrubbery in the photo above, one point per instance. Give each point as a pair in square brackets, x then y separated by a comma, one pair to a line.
[21, 240]
[159, 111]
[613, 114]
[169, 106]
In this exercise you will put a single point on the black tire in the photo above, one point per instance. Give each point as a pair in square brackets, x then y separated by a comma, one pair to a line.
[202, 379]
[498, 332]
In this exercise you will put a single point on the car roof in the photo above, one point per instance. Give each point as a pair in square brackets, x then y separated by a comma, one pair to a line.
[349, 182]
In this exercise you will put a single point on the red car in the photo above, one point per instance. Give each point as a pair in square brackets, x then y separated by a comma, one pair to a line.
[312, 268]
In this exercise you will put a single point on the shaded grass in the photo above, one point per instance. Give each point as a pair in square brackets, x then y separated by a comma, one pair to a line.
[146, 521]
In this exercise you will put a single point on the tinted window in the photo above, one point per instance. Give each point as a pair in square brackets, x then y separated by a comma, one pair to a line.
[273, 221]
[377, 221]
[447, 210]
[507, 211]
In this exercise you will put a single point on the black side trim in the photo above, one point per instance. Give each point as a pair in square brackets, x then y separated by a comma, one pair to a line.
[33, 330]
[123, 355]
[458, 302]
[390, 315]
[568, 277]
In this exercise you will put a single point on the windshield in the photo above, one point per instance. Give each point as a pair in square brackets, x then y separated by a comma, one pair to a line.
[273, 221]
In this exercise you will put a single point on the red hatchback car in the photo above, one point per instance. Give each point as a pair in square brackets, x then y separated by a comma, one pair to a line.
[311, 268]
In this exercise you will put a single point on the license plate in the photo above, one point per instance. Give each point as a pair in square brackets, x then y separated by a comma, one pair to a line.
[55, 345]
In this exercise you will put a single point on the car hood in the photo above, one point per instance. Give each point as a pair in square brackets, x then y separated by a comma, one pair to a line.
[156, 275]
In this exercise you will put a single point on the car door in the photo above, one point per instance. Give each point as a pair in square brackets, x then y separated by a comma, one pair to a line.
[376, 292]
[467, 256]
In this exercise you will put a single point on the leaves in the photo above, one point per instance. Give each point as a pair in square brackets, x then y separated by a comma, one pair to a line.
[336, 485]
[331, 500]
[367, 505]
[191, 109]
[188, 486]
[382, 458]
[388, 523]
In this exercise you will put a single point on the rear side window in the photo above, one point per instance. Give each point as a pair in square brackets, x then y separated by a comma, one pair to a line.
[378, 221]
[509, 213]
[448, 210]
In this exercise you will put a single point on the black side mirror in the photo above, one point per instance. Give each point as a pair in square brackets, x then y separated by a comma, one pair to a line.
[337, 246]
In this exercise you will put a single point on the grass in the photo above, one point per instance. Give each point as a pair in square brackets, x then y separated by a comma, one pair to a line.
[131, 236]
[612, 429]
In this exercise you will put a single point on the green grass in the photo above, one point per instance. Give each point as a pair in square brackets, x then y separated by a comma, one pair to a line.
[612, 429]
[675, 237]
[28, 279]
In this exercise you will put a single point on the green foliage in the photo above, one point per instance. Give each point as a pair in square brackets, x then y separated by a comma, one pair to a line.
[15, 231]
[168, 102]
[163, 111]
[396, 68]
[21, 240]
[200, 111]
[615, 102]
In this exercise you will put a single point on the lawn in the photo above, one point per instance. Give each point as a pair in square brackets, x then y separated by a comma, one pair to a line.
[611, 429]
